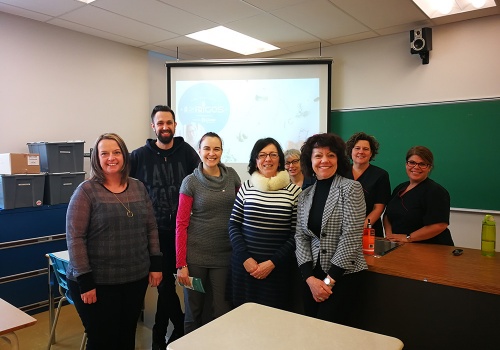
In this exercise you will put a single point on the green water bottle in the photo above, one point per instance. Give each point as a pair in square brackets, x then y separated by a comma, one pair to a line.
[488, 236]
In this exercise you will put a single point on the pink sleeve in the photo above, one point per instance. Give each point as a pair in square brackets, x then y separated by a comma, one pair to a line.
[183, 216]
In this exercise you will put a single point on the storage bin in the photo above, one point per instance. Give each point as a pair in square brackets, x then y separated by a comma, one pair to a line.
[59, 187]
[22, 190]
[59, 157]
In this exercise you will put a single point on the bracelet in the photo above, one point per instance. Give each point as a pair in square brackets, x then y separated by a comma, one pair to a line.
[180, 268]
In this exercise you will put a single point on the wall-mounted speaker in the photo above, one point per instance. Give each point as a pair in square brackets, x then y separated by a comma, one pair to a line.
[420, 40]
[421, 43]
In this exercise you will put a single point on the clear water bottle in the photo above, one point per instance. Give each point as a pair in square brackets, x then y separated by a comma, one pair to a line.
[488, 236]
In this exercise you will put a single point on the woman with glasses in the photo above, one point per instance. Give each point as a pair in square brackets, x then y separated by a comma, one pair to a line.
[329, 233]
[261, 229]
[292, 165]
[362, 149]
[419, 209]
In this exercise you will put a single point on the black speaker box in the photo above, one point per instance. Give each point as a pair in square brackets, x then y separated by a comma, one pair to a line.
[420, 40]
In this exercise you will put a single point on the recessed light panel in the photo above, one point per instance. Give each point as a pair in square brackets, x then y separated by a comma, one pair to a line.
[231, 40]
[440, 8]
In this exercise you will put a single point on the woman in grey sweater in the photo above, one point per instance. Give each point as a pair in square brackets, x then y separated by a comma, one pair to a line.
[113, 247]
[202, 239]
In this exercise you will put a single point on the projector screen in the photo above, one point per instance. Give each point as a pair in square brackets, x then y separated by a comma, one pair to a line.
[246, 100]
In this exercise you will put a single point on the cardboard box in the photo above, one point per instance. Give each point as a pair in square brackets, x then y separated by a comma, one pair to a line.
[22, 190]
[59, 157]
[19, 163]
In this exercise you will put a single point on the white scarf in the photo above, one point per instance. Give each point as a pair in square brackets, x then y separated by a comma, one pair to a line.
[274, 183]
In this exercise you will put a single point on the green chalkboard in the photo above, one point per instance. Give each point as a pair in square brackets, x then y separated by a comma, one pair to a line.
[463, 136]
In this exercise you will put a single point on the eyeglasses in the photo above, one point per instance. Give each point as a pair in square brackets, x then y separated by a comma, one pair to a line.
[272, 155]
[294, 162]
[412, 164]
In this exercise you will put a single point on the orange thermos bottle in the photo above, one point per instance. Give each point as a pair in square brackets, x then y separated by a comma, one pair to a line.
[369, 239]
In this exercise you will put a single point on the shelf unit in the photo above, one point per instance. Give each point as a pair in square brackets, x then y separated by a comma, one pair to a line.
[26, 235]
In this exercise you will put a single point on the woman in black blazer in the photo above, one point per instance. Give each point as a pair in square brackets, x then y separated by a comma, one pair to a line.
[329, 232]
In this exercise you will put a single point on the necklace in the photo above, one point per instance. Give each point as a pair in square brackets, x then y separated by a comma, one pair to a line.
[127, 208]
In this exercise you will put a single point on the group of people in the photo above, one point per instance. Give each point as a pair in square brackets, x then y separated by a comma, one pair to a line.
[166, 209]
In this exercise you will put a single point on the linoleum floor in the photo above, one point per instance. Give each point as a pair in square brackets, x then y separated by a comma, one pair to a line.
[69, 333]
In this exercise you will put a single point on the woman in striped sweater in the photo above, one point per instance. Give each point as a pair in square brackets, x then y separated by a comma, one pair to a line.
[261, 229]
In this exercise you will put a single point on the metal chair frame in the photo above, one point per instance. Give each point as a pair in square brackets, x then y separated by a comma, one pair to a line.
[59, 268]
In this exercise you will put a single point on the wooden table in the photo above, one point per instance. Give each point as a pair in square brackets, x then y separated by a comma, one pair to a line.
[431, 299]
[11, 320]
[436, 264]
[252, 326]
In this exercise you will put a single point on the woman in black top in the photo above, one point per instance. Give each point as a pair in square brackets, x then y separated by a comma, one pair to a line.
[419, 210]
[362, 149]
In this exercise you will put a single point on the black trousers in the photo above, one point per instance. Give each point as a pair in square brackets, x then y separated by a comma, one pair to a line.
[111, 322]
[168, 306]
[343, 305]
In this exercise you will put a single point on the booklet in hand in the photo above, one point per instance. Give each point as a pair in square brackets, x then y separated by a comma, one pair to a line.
[195, 284]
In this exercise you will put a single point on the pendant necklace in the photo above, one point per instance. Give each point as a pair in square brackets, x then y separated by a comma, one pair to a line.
[127, 208]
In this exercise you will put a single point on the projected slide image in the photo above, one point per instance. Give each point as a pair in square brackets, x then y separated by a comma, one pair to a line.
[242, 111]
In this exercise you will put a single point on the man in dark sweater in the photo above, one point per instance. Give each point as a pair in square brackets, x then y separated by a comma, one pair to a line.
[161, 165]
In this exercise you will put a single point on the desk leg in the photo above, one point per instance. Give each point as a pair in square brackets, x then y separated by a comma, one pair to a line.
[51, 300]
[11, 338]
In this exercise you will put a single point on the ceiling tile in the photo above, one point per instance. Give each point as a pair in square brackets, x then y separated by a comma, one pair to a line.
[404, 27]
[272, 30]
[381, 13]
[24, 13]
[321, 19]
[467, 15]
[232, 10]
[157, 14]
[96, 32]
[270, 5]
[52, 8]
[351, 38]
[115, 24]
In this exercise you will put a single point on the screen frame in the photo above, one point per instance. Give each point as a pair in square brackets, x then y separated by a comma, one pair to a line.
[253, 62]
[323, 117]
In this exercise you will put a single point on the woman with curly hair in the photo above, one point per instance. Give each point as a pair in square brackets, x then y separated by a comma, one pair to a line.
[330, 216]
[362, 149]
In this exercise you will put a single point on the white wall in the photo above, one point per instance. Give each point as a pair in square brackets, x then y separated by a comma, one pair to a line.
[382, 72]
[56, 84]
[59, 85]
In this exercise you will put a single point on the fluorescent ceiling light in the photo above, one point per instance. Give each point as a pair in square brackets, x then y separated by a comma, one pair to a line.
[86, 1]
[231, 40]
[439, 8]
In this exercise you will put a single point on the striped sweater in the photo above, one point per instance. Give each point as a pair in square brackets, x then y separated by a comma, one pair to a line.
[262, 222]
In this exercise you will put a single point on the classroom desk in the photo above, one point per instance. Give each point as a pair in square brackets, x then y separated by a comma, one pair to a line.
[252, 326]
[11, 320]
[430, 299]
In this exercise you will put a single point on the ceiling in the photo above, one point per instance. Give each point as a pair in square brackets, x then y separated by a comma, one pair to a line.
[291, 25]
